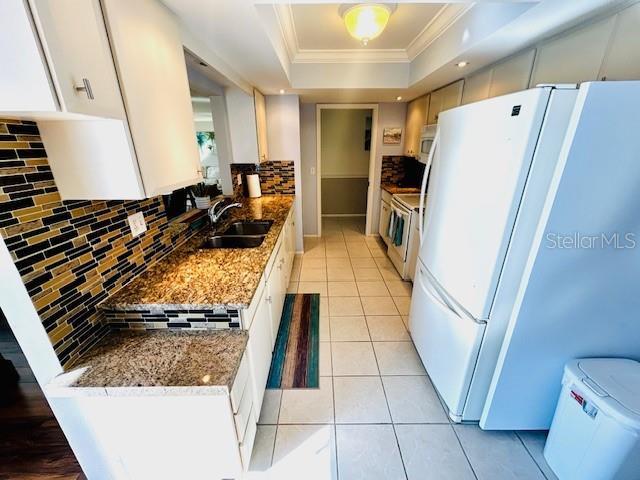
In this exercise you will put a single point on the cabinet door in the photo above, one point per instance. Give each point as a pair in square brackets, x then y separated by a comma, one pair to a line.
[277, 290]
[383, 225]
[512, 75]
[435, 106]
[575, 57]
[416, 118]
[259, 348]
[623, 60]
[148, 51]
[261, 125]
[292, 241]
[75, 39]
[476, 87]
[452, 95]
[24, 83]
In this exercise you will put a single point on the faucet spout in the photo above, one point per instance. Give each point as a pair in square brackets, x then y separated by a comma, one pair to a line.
[215, 216]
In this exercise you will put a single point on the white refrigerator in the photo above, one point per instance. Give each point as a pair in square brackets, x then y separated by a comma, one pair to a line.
[498, 307]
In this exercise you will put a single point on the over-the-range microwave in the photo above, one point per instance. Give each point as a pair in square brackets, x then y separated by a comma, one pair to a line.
[427, 136]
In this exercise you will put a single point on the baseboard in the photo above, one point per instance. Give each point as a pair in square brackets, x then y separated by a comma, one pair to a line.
[311, 235]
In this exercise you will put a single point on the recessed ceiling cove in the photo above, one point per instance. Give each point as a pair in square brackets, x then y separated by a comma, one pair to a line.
[321, 27]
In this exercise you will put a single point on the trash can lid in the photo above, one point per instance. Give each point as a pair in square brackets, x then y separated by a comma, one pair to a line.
[618, 378]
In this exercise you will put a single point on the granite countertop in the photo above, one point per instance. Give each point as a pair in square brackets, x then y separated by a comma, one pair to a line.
[394, 189]
[161, 358]
[194, 278]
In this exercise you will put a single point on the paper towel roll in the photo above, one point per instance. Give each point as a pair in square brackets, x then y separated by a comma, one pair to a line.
[253, 184]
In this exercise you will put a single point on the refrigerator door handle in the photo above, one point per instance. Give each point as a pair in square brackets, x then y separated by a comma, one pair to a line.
[436, 295]
[423, 186]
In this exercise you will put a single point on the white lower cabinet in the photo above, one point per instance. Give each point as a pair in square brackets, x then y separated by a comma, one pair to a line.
[259, 350]
[262, 319]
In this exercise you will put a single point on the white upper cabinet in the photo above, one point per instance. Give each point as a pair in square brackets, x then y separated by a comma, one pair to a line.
[416, 119]
[476, 87]
[241, 115]
[24, 82]
[444, 99]
[623, 59]
[111, 95]
[512, 75]
[575, 57]
[261, 125]
[75, 40]
[150, 60]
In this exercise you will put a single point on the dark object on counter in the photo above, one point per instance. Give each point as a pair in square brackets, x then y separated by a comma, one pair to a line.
[8, 374]
[413, 171]
[175, 203]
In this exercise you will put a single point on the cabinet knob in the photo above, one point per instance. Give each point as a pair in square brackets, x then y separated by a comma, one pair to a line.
[86, 88]
[268, 299]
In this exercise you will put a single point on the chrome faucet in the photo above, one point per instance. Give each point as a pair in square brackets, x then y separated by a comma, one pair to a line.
[215, 216]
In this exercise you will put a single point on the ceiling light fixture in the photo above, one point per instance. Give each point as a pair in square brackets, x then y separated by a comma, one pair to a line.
[366, 21]
[462, 64]
[281, 91]
[398, 98]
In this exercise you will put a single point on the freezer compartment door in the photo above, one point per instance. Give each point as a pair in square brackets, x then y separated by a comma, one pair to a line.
[447, 340]
[476, 182]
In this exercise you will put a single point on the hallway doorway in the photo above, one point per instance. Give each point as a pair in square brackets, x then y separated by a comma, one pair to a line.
[345, 162]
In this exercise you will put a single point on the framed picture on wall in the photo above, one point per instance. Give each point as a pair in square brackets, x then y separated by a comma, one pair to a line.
[391, 135]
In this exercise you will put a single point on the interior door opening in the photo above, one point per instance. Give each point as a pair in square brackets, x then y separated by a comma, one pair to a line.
[345, 160]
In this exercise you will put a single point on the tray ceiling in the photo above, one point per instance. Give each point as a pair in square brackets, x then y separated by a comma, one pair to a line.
[320, 27]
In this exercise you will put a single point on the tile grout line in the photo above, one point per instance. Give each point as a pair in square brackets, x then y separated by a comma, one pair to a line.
[386, 399]
[544, 475]
[464, 452]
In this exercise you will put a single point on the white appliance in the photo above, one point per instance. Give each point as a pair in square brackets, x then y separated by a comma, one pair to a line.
[427, 137]
[499, 304]
[595, 434]
[403, 206]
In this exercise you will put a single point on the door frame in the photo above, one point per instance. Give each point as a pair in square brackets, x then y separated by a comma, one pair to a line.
[372, 156]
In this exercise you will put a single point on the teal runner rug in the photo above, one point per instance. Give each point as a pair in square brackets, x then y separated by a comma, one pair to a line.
[295, 362]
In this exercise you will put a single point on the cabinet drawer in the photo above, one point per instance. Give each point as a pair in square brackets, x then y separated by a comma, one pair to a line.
[240, 384]
[244, 415]
[246, 446]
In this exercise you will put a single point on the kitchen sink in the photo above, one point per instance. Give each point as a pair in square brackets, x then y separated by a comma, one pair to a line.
[248, 227]
[233, 241]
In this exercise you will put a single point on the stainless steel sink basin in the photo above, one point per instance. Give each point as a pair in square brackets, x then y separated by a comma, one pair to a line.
[248, 227]
[233, 241]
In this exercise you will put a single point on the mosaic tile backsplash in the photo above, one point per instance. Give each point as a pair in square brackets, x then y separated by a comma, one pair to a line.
[71, 254]
[392, 169]
[276, 177]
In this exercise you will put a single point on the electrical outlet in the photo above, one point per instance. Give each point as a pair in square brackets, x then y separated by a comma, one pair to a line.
[239, 179]
[137, 224]
[312, 170]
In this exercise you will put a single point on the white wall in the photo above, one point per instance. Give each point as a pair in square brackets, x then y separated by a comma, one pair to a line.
[389, 115]
[343, 134]
[283, 138]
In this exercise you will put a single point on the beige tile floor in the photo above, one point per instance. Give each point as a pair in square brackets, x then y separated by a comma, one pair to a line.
[376, 414]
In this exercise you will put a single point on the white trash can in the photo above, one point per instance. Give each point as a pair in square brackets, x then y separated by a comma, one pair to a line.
[595, 432]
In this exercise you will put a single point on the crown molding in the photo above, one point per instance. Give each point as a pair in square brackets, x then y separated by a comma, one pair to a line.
[439, 24]
[352, 56]
[284, 15]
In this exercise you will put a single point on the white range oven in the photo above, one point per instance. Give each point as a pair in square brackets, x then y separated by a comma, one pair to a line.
[402, 232]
